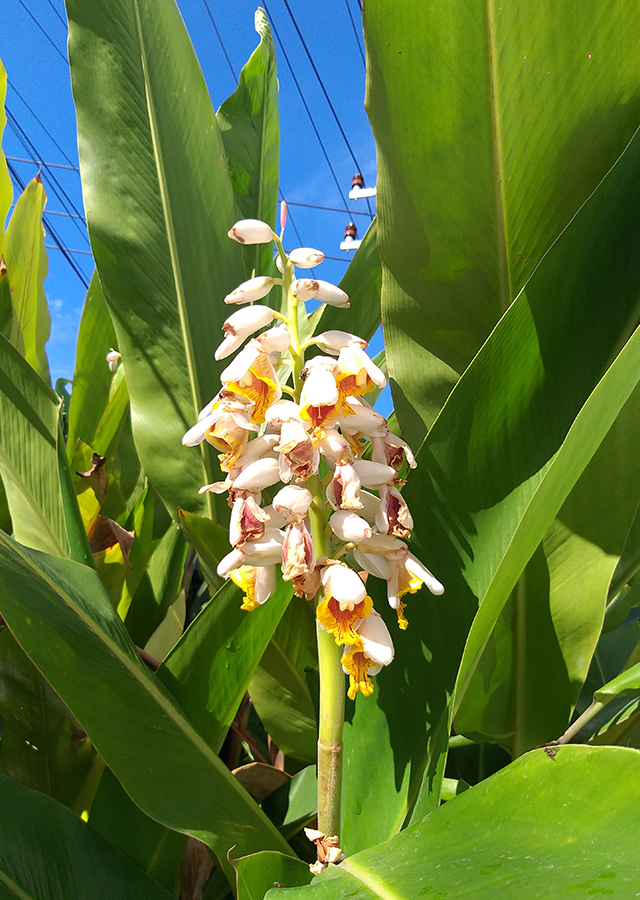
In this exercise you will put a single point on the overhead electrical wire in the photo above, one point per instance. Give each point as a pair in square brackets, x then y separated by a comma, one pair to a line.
[42, 125]
[45, 32]
[52, 231]
[355, 32]
[220, 41]
[306, 106]
[56, 186]
[55, 9]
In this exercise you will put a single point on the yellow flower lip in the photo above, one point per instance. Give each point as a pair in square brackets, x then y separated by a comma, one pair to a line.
[339, 619]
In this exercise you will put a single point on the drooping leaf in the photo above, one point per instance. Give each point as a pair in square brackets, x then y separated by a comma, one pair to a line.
[209, 670]
[28, 454]
[514, 834]
[260, 872]
[159, 226]
[42, 745]
[134, 723]
[486, 149]
[27, 264]
[250, 129]
[48, 853]
[156, 850]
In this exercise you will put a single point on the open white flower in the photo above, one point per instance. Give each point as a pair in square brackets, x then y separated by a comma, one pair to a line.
[366, 656]
[251, 374]
[257, 582]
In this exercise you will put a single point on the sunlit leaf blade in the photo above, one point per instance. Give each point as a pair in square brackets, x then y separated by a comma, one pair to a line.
[209, 669]
[249, 124]
[538, 656]
[512, 835]
[42, 746]
[48, 853]
[92, 379]
[84, 651]
[159, 204]
[27, 265]
[28, 454]
[486, 148]
[6, 188]
[626, 684]
[501, 458]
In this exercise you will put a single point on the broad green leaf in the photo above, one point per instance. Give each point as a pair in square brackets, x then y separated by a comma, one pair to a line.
[28, 454]
[159, 203]
[520, 833]
[279, 689]
[48, 853]
[159, 586]
[510, 443]
[537, 658]
[156, 850]
[493, 125]
[260, 872]
[625, 685]
[209, 670]
[92, 380]
[210, 540]
[169, 631]
[363, 283]
[81, 646]
[295, 803]
[250, 129]
[27, 265]
[398, 737]
[6, 187]
[42, 746]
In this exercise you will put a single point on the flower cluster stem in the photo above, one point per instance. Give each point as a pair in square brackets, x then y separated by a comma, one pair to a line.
[332, 689]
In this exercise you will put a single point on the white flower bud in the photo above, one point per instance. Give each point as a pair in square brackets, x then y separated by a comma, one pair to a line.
[113, 358]
[240, 325]
[253, 289]
[275, 340]
[373, 474]
[281, 411]
[348, 526]
[333, 341]
[251, 231]
[384, 545]
[363, 419]
[257, 475]
[293, 502]
[334, 448]
[343, 584]
[256, 449]
[373, 563]
[306, 257]
[313, 289]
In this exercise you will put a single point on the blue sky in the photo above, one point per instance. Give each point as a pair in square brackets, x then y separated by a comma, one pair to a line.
[33, 50]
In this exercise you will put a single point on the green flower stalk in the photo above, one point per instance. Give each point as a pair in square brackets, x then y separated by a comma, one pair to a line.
[327, 540]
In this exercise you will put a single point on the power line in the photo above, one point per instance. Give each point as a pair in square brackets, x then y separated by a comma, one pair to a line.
[352, 212]
[51, 231]
[219, 36]
[45, 32]
[55, 9]
[321, 83]
[57, 187]
[42, 125]
[306, 106]
[355, 32]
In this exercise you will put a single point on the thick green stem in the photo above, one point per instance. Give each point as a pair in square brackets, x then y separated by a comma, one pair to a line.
[332, 689]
